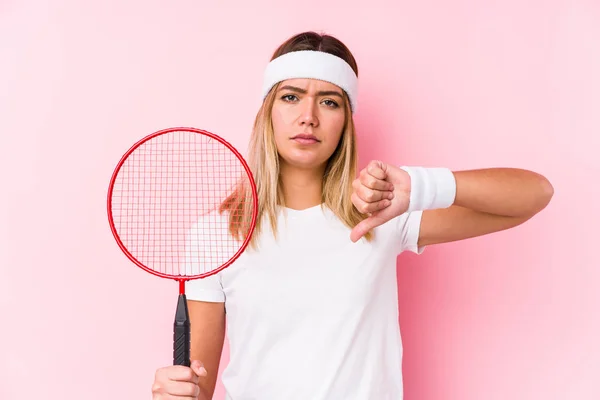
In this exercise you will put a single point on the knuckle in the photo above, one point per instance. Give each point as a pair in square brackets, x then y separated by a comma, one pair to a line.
[191, 389]
[157, 388]
[159, 378]
[373, 165]
[360, 193]
[188, 374]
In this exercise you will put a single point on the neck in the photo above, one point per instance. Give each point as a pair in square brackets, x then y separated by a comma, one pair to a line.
[302, 188]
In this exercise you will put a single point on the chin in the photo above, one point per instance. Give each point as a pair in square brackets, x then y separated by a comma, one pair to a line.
[303, 162]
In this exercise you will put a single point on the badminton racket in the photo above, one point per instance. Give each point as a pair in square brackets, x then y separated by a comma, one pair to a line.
[182, 204]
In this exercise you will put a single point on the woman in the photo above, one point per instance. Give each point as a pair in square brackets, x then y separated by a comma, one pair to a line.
[311, 307]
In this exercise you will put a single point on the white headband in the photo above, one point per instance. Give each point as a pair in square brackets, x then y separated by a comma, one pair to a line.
[312, 64]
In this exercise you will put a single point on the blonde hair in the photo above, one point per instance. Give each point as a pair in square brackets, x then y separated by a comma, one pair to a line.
[263, 161]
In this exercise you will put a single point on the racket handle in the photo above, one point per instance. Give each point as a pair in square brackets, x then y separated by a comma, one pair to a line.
[181, 333]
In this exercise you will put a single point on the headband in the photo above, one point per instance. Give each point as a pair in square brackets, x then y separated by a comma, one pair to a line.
[315, 65]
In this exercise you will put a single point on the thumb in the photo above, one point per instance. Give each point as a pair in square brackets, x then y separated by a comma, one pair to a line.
[198, 368]
[363, 227]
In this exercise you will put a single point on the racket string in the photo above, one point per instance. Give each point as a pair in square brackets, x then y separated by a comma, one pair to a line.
[166, 198]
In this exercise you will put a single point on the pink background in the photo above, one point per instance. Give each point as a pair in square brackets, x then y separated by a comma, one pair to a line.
[461, 84]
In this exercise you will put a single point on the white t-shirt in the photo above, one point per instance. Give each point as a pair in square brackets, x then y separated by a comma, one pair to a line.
[313, 316]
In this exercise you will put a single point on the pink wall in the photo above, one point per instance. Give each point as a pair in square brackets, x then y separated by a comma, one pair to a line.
[458, 84]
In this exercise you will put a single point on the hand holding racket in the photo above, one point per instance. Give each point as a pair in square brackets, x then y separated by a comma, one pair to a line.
[182, 204]
[179, 382]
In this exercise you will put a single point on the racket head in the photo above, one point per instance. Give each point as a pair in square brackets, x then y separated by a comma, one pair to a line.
[144, 181]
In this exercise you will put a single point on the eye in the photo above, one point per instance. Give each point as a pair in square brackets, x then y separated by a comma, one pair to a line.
[289, 97]
[331, 103]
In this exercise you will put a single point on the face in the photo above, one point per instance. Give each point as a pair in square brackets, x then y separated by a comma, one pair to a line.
[308, 118]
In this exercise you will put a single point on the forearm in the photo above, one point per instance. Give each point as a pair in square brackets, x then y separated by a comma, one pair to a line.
[205, 394]
[508, 192]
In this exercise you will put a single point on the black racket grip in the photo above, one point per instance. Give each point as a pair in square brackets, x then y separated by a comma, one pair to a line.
[181, 333]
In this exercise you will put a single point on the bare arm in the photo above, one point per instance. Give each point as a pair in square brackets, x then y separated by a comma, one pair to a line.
[487, 201]
[207, 337]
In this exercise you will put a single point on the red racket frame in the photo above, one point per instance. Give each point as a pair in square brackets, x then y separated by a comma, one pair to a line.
[182, 279]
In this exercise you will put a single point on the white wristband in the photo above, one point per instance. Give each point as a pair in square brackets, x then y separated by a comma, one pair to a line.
[431, 188]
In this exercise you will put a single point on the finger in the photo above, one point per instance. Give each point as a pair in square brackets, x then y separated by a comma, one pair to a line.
[182, 374]
[377, 169]
[374, 182]
[198, 368]
[174, 397]
[371, 183]
[359, 230]
[175, 388]
[368, 207]
[371, 196]
[363, 227]
[365, 207]
[166, 391]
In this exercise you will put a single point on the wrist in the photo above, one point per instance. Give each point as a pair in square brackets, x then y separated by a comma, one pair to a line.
[430, 188]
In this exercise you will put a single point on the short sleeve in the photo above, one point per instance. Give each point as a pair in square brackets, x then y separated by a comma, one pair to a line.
[408, 228]
[205, 289]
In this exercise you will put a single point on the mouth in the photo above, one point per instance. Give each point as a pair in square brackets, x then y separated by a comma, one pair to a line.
[305, 138]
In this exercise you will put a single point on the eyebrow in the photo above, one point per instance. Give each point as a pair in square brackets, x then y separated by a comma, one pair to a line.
[321, 93]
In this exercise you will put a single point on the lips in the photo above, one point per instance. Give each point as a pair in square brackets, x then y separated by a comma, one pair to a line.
[305, 137]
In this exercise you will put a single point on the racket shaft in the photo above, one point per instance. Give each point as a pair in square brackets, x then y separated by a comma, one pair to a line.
[181, 333]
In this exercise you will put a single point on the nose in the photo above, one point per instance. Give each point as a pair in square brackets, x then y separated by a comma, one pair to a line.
[308, 115]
